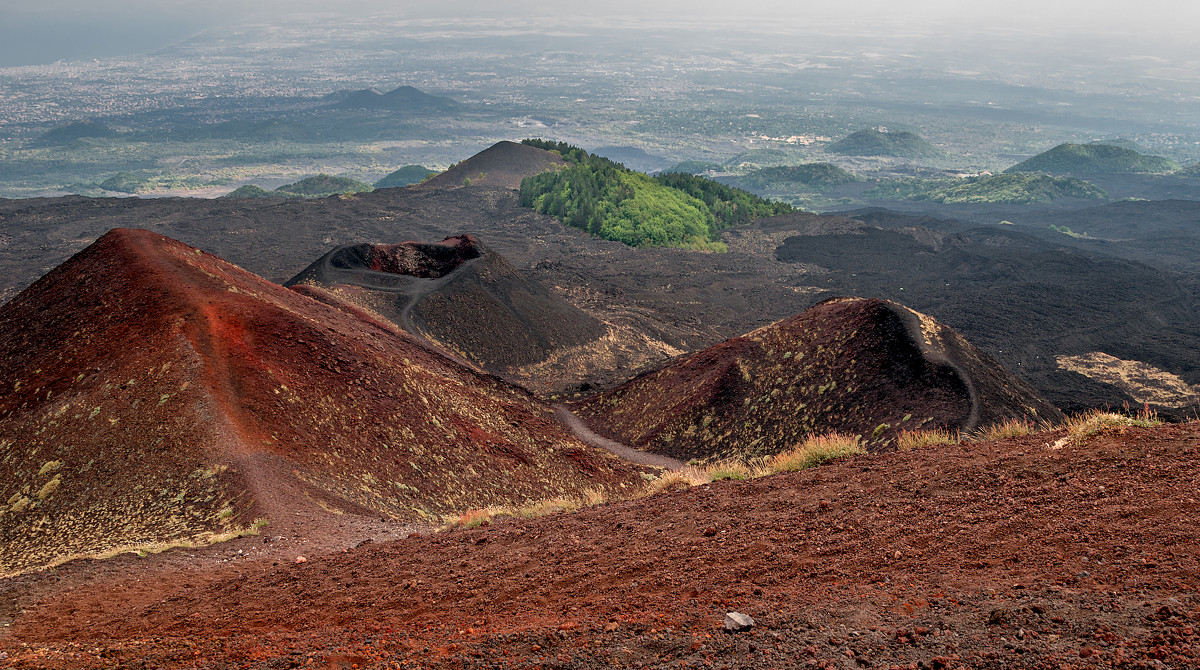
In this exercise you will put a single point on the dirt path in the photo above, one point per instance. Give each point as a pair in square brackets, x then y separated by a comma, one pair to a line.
[585, 434]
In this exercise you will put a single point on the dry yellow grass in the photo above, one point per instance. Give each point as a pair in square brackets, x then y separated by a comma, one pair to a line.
[908, 440]
[813, 451]
[685, 478]
[1082, 427]
[1002, 431]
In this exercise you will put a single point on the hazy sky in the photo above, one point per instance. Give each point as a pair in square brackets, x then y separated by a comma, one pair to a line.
[49, 30]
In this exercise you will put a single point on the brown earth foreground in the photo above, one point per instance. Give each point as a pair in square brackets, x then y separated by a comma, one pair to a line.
[992, 555]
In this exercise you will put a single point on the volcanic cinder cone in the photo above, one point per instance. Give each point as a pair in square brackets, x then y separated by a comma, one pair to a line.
[154, 393]
[862, 366]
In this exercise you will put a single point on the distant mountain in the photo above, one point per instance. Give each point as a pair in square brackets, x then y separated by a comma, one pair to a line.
[872, 142]
[693, 167]
[459, 293]
[810, 177]
[125, 182]
[405, 176]
[634, 158]
[403, 99]
[1024, 188]
[75, 130]
[503, 164]
[1093, 158]
[154, 394]
[322, 186]
[252, 191]
[862, 366]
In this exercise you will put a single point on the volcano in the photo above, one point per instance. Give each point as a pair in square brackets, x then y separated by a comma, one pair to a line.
[459, 293]
[155, 393]
[862, 366]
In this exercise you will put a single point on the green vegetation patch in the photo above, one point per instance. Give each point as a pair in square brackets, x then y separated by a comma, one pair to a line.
[1093, 158]
[252, 191]
[126, 182]
[694, 167]
[1020, 188]
[324, 185]
[872, 142]
[405, 176]
[811, 176]
[1012, 189]
[613, 202]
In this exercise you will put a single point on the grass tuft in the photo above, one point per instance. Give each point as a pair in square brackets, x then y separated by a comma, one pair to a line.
[813, 451]
[1003, 430]
[1082, 427]
[917, 439]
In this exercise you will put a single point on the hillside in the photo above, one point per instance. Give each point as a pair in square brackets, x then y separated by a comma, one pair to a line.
[865, 367]
[75, 130]
[403, 99]
[155, 393]
[872, 142]
[1093, 158]
[1004, 554]
[795, 178]
[459, 293]
[612, 202]
[405, 176]
[1025, 188]
[503, 164]
[323, 186]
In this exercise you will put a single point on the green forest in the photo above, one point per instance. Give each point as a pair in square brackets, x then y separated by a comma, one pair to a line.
[613, 202]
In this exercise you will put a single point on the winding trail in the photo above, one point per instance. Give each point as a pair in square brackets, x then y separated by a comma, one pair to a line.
[576, 425]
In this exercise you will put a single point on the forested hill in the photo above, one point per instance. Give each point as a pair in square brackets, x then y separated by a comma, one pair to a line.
[613, 202]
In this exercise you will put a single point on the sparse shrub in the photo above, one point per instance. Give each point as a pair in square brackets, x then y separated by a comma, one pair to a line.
[813, 451]
[1003, 430]
[729, 469]
[916, 439]
[1082, 427]
[476, 517]
[677, 479]
[547, 507]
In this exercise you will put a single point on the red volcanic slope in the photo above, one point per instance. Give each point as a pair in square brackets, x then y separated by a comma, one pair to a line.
[153, 392]
[862, 366]
[503, 164]
[995, 555]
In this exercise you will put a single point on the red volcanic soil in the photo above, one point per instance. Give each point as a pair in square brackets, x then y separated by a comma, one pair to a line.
[861, 366]
[986, 555]
[154, 393]
[503, 164]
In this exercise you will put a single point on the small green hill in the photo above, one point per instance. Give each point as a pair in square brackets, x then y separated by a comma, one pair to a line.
[872, 142]
[76, 130]
[693, 167]
[1016, 189]
[808, 177]
[1093, 159]
[762, 157]
[323, 185]
[126, 182]
[252, 191]
[615, 203]
[405, 176]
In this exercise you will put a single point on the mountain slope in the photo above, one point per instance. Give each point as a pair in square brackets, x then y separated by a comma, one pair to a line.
[1093, 158]
[503, 164]
[1084, 556]
[866, 367]
[459, 293]
[872, 142]
[154, 393]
